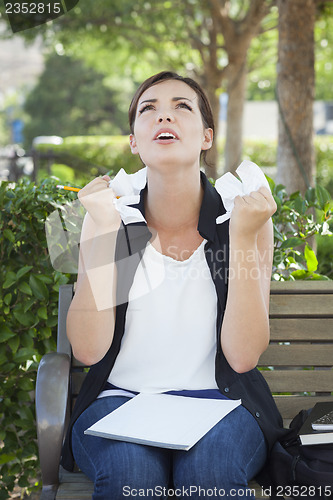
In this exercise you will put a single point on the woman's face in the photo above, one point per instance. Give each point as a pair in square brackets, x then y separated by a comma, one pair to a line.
[168, 128]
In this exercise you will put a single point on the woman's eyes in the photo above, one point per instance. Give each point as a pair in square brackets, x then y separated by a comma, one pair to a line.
[179, 105]
[145, 108]
[184, 105]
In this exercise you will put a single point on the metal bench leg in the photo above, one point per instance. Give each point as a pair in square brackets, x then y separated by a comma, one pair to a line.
[51, 410]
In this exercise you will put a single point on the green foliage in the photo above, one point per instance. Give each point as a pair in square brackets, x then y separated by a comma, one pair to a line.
[261, 152]
[28, 320]
[88, 156]
[126, 41]
[262, 60]
[262, 57]
[324, 51]
[324, 162]
[296, 222]
[325, 256]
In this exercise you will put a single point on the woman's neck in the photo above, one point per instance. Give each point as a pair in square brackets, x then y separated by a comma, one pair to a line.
[173, 200]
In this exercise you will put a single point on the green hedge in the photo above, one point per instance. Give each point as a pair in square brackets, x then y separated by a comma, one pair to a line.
[79, 159]
[28, 320]
[298, 221]
[324, 162]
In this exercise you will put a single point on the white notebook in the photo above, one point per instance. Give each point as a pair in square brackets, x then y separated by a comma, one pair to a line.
[163, 420]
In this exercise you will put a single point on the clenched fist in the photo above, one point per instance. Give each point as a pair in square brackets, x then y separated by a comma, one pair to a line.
[251, 212]
[97, 198]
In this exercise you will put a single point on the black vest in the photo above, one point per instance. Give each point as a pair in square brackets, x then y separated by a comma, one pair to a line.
[250, 387]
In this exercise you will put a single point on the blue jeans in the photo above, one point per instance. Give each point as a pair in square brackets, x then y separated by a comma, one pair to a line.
[222, 462]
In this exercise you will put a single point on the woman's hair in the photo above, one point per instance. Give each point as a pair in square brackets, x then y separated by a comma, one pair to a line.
[204, 106]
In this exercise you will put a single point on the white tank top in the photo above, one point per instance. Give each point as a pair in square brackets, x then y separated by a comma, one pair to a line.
[169, 341]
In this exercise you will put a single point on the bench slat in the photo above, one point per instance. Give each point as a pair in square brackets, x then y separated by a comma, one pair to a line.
[288, 329]
[75, 491]
[71, 477]
[301, 286]
[307, 305]
[77, 364]
[77, 381]
[297, 355]
[299, 380]
[289, 406]
[74, 485]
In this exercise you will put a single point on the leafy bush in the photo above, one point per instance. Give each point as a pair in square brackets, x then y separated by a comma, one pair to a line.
[28, 320]
[324, 162]
[325, 256]
[262, 153]
[296, 223]
[88, 156]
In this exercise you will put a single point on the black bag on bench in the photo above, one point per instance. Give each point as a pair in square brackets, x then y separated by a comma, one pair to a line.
[299, 471]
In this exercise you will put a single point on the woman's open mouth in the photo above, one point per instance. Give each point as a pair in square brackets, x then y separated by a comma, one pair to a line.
[165, 137]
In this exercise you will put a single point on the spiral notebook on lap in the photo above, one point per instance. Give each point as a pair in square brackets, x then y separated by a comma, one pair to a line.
[163, 420]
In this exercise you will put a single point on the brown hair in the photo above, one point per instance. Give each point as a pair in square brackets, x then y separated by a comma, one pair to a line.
[204, 106]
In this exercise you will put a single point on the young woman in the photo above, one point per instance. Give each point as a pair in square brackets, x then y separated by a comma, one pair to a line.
[198, 328]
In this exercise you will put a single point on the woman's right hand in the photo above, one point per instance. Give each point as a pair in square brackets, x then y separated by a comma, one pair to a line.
[97, 198]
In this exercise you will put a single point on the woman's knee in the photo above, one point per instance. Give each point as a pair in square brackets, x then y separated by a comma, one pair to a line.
[119, 470]
[221, 462]
[226, 481]
[208, 475]
[130, 484]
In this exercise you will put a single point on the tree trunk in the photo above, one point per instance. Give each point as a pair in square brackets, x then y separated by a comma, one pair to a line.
[236, 88]
[295, 91]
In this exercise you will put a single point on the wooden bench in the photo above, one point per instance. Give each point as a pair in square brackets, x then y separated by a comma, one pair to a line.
[297, 365]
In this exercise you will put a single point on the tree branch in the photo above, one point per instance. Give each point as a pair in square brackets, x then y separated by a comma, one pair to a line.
[198, 45]
[257, 11]
[220, 12]
[266, 30]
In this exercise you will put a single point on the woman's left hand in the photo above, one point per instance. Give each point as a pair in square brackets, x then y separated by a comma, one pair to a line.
[251, 212]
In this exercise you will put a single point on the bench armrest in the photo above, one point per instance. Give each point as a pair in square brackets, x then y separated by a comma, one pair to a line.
[52, 404]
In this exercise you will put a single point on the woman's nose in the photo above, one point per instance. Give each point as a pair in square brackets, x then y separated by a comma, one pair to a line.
[165, 117]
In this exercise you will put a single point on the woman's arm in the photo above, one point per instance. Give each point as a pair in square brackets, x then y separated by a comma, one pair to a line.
[245, 328]
[91, 316]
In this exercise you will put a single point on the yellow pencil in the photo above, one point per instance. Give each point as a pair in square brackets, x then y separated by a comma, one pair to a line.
[68, 188]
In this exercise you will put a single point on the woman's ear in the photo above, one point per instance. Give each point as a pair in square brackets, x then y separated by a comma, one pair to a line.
[133, 145]
[208, 139]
